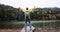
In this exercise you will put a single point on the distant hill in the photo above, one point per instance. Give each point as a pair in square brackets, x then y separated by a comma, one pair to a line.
[9, 13]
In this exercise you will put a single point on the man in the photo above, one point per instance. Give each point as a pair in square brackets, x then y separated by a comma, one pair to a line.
[27, 16]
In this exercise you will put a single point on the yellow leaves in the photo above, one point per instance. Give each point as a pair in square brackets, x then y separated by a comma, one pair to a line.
[50, 16]
[53, 16]
[58, 15]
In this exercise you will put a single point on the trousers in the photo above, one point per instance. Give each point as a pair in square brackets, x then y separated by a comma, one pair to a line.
[26, 23]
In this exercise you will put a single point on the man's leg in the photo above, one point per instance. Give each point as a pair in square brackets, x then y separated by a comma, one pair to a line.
[30, 25]
[25, 25]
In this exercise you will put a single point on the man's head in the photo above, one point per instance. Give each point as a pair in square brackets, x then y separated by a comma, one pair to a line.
[26, 8]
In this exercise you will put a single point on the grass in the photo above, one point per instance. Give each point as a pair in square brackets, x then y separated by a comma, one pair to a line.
[18, 26]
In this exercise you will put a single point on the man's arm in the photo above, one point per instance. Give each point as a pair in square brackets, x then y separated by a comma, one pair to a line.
[22, 10]
[32, 10]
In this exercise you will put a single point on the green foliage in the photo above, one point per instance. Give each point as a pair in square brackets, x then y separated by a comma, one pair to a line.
[9, 13]
[10, 26]
[54, 25]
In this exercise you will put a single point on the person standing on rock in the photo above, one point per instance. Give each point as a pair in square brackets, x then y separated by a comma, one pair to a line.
[27, 16]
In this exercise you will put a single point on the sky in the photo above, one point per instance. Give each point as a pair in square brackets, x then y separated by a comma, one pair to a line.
[31, 3]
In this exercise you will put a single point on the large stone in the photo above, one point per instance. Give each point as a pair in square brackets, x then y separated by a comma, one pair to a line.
[28, 29]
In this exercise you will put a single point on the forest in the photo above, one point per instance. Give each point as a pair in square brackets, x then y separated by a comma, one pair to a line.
[9, 13]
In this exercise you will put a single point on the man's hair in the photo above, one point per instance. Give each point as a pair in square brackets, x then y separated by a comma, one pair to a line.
[26, 8]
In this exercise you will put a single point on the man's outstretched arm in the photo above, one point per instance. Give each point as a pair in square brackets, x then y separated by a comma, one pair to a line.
[32, 10]
[22, 10]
